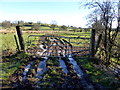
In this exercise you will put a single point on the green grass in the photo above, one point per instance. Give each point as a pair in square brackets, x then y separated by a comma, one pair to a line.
[45, 28]
[8, 41]
[10, 65]
[53, 75]
[10, 28]
[40, 28]
[97, 75]
[26, 28]
[8, 68]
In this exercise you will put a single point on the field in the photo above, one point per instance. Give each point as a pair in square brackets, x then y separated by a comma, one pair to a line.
[9, 44]
[15, 65]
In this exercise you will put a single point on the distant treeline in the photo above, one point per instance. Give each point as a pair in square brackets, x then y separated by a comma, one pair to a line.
[40, 26]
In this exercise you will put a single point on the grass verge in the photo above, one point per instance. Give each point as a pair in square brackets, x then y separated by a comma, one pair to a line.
[97, 75]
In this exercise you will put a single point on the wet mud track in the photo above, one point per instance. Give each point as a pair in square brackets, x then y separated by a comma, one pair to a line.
[51, 72]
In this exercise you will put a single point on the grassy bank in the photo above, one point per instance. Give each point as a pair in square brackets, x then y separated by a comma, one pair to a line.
[98, 75]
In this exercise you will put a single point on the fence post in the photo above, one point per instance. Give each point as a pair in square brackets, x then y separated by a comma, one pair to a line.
[21, 41]
[93, 43]
[16, 43]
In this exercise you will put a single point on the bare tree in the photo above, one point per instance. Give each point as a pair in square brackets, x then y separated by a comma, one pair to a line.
[53, 24]
[104, 13]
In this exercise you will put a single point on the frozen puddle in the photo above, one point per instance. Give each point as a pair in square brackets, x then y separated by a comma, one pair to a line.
[76, 67]
[41, 68]
[63, 66]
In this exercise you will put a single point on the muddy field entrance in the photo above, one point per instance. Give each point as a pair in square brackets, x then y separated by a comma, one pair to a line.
[55, 46]
[52, 63]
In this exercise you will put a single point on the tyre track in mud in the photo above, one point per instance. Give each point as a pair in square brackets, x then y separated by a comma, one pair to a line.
[22, 78]
[58, 72]
[85, 81]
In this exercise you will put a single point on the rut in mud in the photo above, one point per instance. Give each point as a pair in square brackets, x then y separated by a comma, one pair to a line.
[52, 66]
[49, 72]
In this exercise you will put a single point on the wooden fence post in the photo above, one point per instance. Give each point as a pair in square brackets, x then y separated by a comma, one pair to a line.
[93, 43]
[16, 43]
[21, 41]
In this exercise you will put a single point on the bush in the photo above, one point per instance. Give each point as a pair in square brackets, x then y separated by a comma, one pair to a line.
[35, 27]
[6, 24]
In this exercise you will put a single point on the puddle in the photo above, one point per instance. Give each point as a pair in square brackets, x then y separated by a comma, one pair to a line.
[76, 67]
[63, 66]
[26, 70]
[80, 73]
[41, 68]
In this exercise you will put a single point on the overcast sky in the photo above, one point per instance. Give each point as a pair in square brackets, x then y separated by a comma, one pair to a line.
[64, 12]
